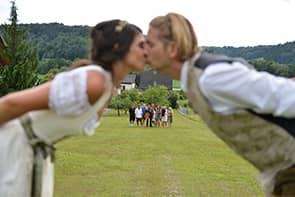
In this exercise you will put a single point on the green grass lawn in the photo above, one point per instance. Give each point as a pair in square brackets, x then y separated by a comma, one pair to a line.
[119, 160]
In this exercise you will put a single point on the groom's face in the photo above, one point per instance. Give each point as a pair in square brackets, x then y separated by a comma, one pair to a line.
[157, 54]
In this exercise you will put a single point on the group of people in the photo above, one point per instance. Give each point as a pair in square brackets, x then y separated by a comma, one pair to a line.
[247, 109]
[151, 115]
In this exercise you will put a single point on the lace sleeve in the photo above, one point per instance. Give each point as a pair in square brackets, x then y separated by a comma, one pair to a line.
[68, 93]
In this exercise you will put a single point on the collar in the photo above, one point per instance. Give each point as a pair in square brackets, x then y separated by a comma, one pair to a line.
[183, 76]
[184, 70]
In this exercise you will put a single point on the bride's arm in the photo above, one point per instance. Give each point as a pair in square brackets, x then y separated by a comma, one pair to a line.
[16, 104]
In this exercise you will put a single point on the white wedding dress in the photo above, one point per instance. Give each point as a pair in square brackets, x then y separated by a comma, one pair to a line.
[70, 114]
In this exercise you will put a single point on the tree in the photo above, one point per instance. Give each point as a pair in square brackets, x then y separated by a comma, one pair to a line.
[157, 95]
[20, 73]
[116, 103]
[46, 64]
[125, 100]
[172, 98]
[133, 95]
[273, 67]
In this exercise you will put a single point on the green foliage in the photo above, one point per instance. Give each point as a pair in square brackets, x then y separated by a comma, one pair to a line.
[282, 53]
[50, 63]
[181, 95]
[273, 67]
[172, 98]
[20, 73]
[132, 94]
[157, 95]
[55, 40]
[42, 78]
[183, 103]
[124, 100]
[117, 103]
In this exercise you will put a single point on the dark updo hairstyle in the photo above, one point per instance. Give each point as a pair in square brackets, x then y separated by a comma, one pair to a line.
[110, 41]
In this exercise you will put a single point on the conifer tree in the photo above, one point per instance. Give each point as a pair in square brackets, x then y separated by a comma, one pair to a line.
[20, 73]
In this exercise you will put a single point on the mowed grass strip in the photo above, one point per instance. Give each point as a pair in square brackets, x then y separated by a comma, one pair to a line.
[119, 160]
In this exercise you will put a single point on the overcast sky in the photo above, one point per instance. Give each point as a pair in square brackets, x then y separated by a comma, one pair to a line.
[216, 22]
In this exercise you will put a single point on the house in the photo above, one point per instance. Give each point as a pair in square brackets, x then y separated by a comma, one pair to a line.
[148, 79]
[3, 59]
[128, 82]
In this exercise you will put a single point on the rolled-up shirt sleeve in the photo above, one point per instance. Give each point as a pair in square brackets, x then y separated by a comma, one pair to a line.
[231, 87]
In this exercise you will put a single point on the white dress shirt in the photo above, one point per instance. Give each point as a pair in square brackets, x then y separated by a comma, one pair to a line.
[231, 87]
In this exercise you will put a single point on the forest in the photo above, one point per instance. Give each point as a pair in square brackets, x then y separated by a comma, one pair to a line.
[58, 45]
[55, 40]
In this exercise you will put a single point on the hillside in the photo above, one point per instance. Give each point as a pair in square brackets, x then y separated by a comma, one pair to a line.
[55, 40]
[282, 53]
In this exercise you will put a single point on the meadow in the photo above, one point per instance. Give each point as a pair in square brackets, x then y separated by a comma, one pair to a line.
[187, 160]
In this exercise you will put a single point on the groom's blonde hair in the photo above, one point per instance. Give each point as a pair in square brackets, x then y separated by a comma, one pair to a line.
[175, 27]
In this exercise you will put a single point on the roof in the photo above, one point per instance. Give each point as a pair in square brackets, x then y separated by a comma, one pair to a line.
[151, 78]
[129, 79]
